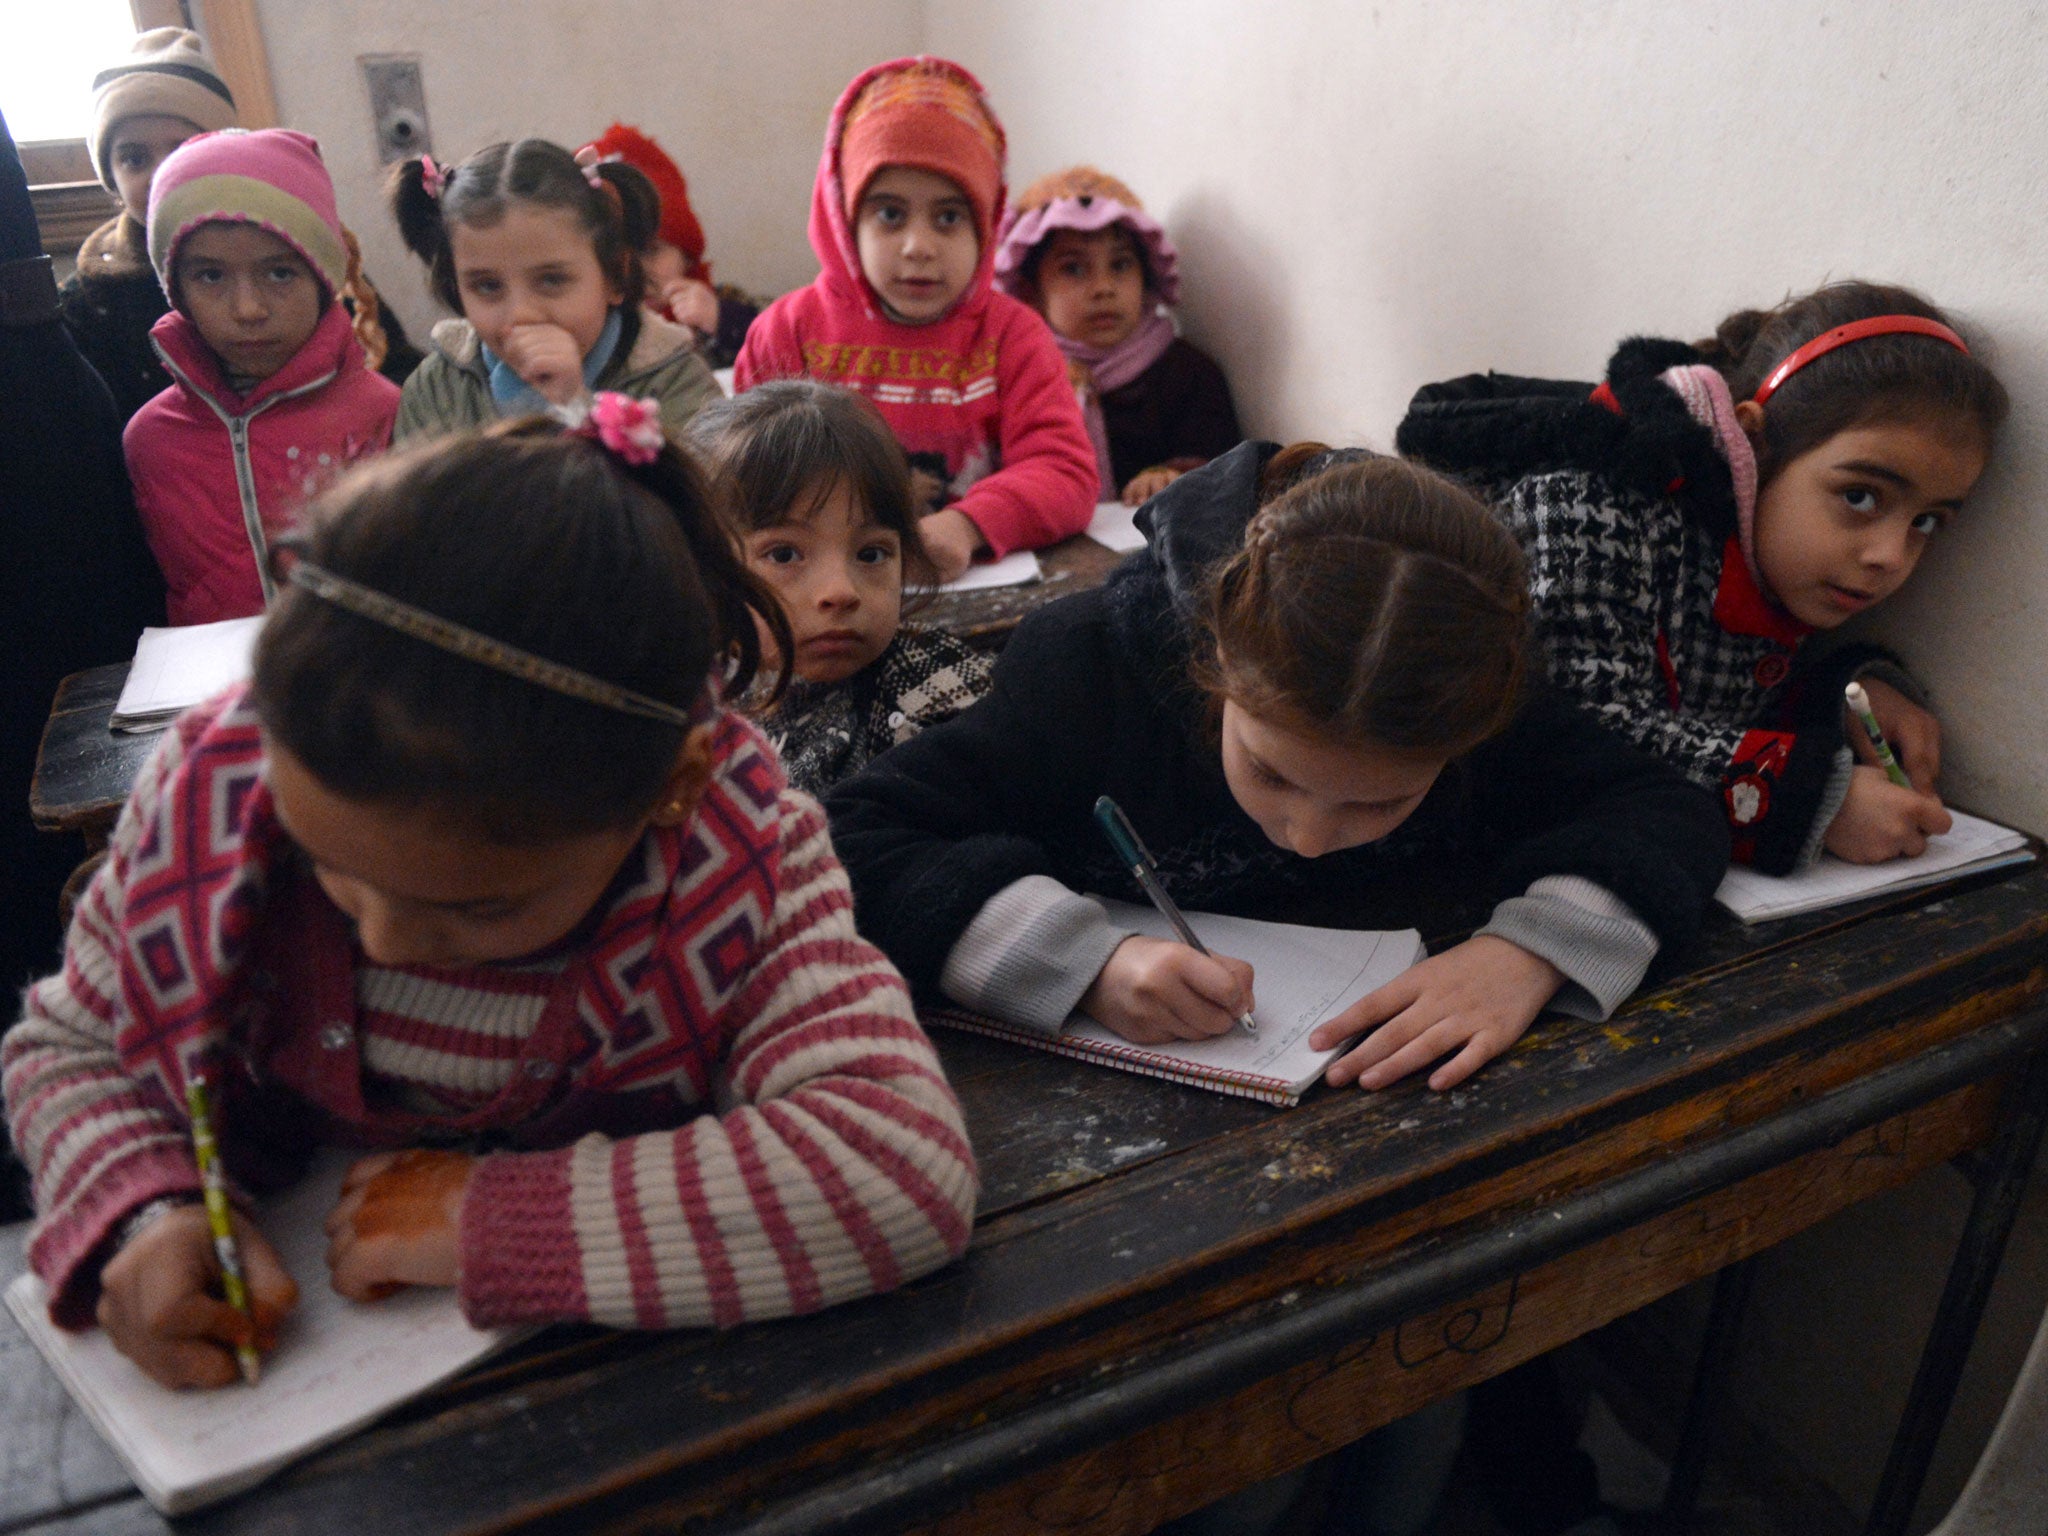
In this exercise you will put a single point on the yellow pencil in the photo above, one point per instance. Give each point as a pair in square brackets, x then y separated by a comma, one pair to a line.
[214, 1183]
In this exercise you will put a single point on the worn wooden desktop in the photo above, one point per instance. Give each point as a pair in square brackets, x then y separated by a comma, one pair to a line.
[83, 769]
[1171, 1293]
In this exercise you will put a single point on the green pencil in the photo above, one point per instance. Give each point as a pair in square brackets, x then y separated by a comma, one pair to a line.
[214, 1183]
[1859, 702]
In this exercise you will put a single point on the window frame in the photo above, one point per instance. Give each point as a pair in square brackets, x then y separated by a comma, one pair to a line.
[66, 193]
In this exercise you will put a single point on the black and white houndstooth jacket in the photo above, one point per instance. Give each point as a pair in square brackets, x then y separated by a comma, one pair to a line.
[1646, 608]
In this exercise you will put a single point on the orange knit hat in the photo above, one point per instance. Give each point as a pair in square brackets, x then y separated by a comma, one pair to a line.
[679, 226]
[928, 116]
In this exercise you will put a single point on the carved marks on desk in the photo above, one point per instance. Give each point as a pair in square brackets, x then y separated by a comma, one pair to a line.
[1308, 1411]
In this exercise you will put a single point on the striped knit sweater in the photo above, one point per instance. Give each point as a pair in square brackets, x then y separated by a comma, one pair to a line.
[717, 1107]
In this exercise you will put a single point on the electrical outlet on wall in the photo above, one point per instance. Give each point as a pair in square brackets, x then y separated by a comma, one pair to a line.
[398, 105]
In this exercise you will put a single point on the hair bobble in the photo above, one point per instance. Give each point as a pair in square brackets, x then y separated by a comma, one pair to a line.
[626, 426]
[432, 178]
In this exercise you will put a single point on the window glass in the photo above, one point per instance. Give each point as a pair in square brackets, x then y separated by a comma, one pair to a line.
[53, 49]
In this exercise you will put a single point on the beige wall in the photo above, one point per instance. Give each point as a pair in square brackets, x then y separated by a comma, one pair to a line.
[738, 94]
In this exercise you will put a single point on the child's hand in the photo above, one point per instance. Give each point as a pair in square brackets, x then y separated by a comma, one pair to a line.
[547, 357]
[1915, 734]
[952, 541]
[692, 303]
[160, 1299]
[1152, 991]
[1147, 483]
[398, 1223]
[1879, 820]
[1476, 1000]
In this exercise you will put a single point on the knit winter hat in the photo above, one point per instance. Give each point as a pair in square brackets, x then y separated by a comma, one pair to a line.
[679, 226]
[1082, 198]
[272, 178]
[929, 116]
[167, 71]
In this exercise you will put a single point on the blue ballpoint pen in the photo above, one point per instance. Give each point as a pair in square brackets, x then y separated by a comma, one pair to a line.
[1131, 849]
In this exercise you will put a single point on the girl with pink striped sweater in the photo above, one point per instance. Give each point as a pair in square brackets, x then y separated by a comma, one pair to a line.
[477, 875]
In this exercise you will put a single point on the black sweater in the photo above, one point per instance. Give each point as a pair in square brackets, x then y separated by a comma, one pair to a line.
[1092, 696]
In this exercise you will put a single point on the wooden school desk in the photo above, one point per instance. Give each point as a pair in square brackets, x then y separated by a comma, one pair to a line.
[1171, 1294]
[83, 769]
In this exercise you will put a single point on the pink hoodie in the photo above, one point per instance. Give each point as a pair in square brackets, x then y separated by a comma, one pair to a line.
[984, 386]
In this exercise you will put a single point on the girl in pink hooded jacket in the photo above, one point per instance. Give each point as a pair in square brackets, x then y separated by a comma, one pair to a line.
[903, 219]
[270, 395]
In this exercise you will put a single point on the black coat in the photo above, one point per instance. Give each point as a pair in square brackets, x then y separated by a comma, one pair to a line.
[1093, 696]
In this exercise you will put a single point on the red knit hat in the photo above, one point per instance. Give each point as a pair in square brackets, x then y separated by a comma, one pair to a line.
[679, 226]
[928, 116]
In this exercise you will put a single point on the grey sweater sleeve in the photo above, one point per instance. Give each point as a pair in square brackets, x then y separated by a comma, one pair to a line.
[1031, 951]
[1587, 932]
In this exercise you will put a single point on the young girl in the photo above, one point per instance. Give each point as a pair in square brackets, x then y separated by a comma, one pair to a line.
[478, 867]
[678, 275]
[271, 396]
[821, 496]
[1321, 694]
[904, 212]
[1694, 519]
[538, 254]
[1081, 250]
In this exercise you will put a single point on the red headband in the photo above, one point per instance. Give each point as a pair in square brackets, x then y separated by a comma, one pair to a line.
[1855, 330]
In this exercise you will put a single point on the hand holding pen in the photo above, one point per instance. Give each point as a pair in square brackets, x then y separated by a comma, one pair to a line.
[1151, 990]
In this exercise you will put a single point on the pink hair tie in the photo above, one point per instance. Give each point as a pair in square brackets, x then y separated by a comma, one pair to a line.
[432, 178]
[594, 176]
[625, 425]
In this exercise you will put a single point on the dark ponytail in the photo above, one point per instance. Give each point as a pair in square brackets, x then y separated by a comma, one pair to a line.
[548, 542]
[620, 213]
[1877, 378]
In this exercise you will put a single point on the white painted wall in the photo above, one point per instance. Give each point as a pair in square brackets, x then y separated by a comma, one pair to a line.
[1368, 196]
[738, 94]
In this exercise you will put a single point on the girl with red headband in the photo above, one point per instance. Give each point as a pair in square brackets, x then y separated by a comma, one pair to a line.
[1695, 517]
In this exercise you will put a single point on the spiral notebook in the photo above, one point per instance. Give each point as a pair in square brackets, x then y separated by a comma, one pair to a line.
[1301, 976]
[338, 1365]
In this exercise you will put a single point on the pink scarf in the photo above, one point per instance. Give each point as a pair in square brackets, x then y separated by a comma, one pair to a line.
[1708, 402]
[1111, 368]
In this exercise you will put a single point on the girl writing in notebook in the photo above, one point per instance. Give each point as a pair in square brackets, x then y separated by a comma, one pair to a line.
[821, 501]
[539, 255]
[479, 871]
[1311, 680]
[1697, 517]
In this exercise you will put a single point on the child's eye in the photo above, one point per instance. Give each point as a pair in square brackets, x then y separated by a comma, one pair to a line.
[1860, 499]
[283, 272]
[777, 554]
[204, 275]
[1123, 264]
[888, 215]
[1268, 777]
[876, 554]
[948, 218]
[1070, 269]
[1928, 523]
[551, 282]
[482, 287]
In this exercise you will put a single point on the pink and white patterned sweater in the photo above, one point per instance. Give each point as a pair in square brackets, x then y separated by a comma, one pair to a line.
[717, 1107]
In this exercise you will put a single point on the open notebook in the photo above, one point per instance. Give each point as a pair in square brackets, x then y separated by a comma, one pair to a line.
[177, 668]
[338, 1364]
[1971, 845]
[1301, 977]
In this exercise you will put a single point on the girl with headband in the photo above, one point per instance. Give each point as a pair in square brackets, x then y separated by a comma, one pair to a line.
[1692, 520]
[477, 874]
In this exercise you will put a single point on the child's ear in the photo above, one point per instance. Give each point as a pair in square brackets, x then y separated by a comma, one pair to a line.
[687, 781]
[1750, 417]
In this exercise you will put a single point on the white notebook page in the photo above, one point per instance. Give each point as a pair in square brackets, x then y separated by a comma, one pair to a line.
[177, 668]
[1115, 527]
[1972, 843]
[1300, 976]
[338, 1364]
[1013, 570]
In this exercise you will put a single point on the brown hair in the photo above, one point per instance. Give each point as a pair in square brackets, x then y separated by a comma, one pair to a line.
[550, 543]
[621, 214]
[1374, 600]
[1877, 378]
[778, 450]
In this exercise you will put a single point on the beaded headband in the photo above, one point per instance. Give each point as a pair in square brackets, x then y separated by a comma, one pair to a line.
[460, 640]
[1855, 330]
